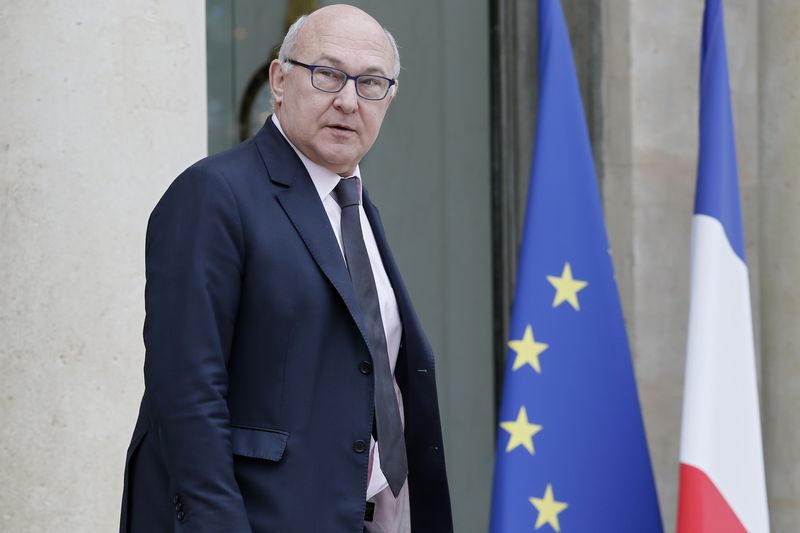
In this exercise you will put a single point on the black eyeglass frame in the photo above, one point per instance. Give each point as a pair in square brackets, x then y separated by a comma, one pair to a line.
[347, 77]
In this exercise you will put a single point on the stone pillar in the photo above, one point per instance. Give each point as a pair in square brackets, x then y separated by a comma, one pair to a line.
[650, 93]
[102, 104]
[780, 257]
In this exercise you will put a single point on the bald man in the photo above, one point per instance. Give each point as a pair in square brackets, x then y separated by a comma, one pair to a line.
[288, 384]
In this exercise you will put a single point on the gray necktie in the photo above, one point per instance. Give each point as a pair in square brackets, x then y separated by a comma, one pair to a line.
[387, 414]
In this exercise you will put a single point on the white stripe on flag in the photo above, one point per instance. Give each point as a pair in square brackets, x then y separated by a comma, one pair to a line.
[721, 428]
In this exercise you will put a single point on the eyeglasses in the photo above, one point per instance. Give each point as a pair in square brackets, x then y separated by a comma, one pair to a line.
[333, 80]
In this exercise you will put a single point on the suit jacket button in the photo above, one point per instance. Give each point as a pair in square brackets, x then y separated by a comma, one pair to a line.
[365, 367]
[181, 515]
[178, 507]
[176, 499]
[359, 446]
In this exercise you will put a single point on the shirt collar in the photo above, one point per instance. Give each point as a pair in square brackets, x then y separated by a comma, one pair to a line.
[324, 180]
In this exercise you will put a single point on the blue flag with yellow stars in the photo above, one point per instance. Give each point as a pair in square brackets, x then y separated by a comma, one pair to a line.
[571, 449]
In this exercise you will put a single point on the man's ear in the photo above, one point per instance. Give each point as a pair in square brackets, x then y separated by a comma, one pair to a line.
[277, 77]
[393, 90]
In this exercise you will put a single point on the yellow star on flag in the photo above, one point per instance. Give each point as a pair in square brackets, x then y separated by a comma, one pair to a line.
[548, 509]
[528, 350]
[521, 431]
[567, 288]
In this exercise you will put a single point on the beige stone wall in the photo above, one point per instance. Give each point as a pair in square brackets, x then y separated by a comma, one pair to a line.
[650, 130]
[102, 103]
[650, 52]
[779, 235]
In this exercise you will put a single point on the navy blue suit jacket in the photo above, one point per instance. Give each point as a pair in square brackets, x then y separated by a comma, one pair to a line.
[258, 402]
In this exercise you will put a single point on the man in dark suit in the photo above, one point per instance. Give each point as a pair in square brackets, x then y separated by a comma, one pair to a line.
[288, 384]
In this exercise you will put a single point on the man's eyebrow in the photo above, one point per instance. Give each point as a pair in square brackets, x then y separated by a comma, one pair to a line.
[331, 61]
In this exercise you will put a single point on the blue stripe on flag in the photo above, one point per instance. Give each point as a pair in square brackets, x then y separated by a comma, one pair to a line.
[717, 192]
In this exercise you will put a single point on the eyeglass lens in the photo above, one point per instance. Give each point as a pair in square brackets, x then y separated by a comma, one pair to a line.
[332, 80]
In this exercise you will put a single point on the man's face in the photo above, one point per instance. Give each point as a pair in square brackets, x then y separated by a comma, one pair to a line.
[335, 130]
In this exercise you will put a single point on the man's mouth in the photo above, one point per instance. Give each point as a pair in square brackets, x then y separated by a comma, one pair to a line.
[341, 127]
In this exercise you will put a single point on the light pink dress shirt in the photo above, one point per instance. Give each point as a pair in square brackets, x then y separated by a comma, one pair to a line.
[392, 515]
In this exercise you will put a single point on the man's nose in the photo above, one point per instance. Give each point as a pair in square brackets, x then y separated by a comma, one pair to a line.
[347, 99]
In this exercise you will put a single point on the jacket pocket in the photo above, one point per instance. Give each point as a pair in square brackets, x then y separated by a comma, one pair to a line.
[258, 443]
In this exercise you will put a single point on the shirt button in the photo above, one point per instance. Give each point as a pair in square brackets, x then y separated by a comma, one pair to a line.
[365, 367]
[359, 446]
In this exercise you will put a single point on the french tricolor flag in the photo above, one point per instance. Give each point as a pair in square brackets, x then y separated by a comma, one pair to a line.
[722, 485]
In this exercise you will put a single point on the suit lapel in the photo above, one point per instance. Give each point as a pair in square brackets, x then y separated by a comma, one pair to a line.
[300, 201]
[415, 352]
[407, 315]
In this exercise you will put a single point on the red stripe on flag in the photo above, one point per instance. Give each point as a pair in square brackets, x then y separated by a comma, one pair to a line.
[701, 507]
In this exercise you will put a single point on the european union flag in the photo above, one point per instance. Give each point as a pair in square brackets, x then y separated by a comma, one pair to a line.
[571, 448]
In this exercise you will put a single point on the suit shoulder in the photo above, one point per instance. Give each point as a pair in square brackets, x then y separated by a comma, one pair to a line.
[229, 171]
[240, 161]
[241, 174]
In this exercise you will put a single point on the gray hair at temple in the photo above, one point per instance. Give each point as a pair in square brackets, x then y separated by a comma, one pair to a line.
[289, 41]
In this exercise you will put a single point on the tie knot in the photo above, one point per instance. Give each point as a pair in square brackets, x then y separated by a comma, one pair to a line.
[347, 192]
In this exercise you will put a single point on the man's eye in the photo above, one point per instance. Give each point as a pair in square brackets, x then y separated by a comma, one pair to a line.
[369, 82]
[328, 73]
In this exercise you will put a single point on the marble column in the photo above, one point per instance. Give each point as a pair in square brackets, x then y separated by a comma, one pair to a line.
[102, 104]
[779, 76]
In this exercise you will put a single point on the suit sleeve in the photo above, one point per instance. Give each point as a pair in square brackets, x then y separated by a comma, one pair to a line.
[194, 260]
